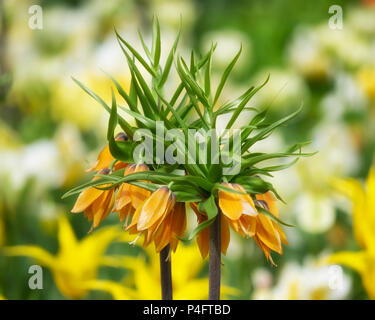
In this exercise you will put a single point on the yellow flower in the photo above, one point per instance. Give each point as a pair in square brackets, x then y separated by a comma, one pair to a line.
[144, 280]
[96, 203]
[240, 212]
[77, 262]
[363, 199]
[366, 80]
[160, 219]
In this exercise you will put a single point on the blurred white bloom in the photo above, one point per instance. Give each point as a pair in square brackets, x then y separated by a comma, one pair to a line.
[307, 282]
[71, 152]
[337, 150]
[52, 163]
[273, 143]
[346, 44]
[337, 156]
[262, 279]
[170, 11]
[346, 96]
[285, 90]
[362, 20]
[306, 55]
[314, 213]
[39, 160]
[287, 182]
[228, 44]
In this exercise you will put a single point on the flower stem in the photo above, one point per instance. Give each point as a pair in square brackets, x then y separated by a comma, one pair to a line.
[215, 259]
[166, 274]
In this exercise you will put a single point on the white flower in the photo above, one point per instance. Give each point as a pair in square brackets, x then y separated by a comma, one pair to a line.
[308, 281]
[285, 90]
[39, 160]
[314, 213]
[306, 54]
[345, 96]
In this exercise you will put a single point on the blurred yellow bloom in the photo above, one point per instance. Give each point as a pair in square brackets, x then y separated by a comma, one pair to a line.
[144, 280]
[363, 199]
[366, 80]
[76, 263]
[79, 108]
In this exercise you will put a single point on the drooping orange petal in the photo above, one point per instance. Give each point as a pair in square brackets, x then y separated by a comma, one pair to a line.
[270, 201]
[155, 207]
[125, 212]
[123, 197]
[158, 223]
[248, 206]
[119, 165]
[225, 234]
[86, 198]
[267, 234]
[164, 234]
[178, 224]
[233, 205]
[229, 203]
[104, 160]
[102, 207]
[247, 225]
[266, 250]
[281, 232]
[132, 227]
[179, 219]
[137, 194]
[203, 237]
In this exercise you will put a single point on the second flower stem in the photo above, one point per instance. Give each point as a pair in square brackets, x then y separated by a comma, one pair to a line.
[215, 259]
[166, 274]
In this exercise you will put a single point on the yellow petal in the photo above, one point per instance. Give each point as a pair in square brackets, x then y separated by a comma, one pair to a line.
[66, 237]
[354, 260]
[41, 255]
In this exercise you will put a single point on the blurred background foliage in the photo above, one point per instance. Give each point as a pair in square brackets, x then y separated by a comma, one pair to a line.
[51, 131]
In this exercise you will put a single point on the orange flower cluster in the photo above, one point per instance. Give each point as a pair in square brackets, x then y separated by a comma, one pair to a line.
[157, 215]
[162, 220]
